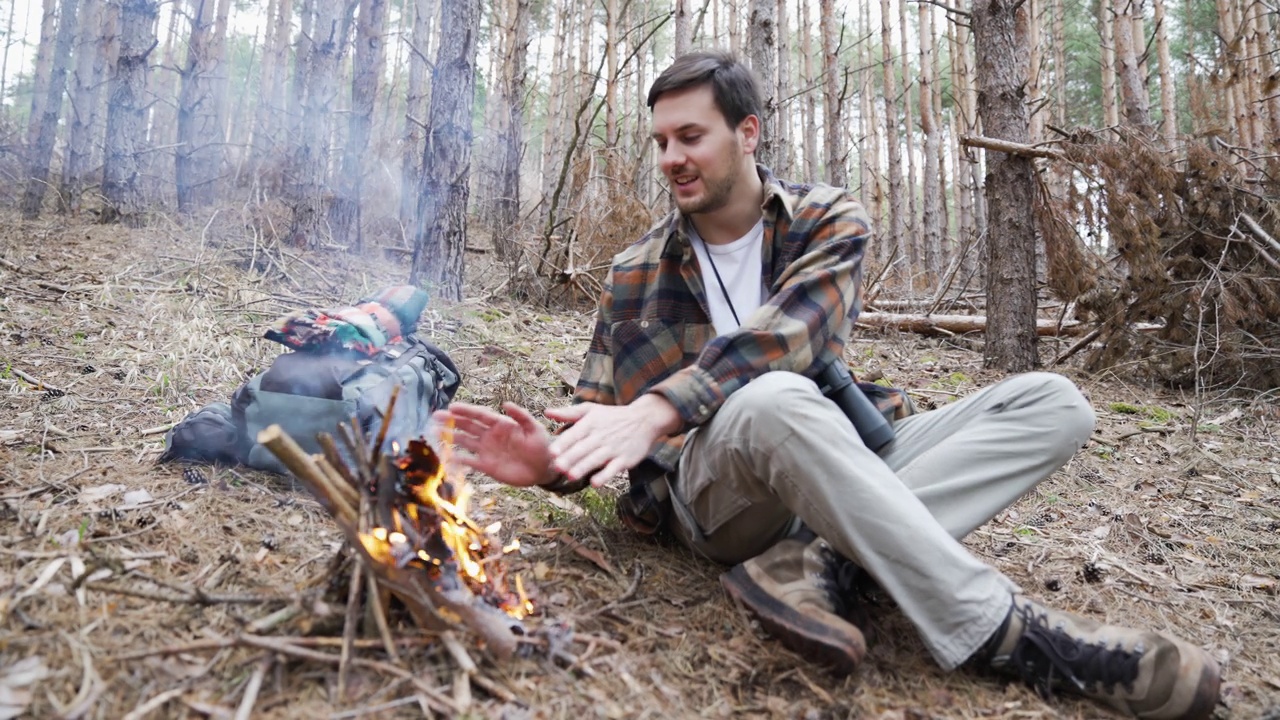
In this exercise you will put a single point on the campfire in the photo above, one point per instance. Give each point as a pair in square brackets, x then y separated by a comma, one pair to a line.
[405, 514]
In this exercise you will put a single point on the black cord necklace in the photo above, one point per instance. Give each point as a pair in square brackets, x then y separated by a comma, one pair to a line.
[723, 290]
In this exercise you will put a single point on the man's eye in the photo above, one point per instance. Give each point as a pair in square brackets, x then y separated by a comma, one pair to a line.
[662, 144]
[691, 139]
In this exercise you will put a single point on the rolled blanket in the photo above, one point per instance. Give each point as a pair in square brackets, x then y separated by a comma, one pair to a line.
[363, 328]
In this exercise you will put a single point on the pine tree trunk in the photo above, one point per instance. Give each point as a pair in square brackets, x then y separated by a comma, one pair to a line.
[199, 140]
[832, 102]
[683, 35]
[84, 106]
[8, 46]
[344, 213]
[1133, 93]
[43, 69]
[415, 114]
[810, 125]
[127, 114]
[511, 142]
[1060, 63]
[911, 221]
[896, 236]
[42, 153]
[1107, 22]
[1011, 242]
[1035, 65]
[784, 148]
[1168, 105]
[556, 100]
[931, 202]
[762, 49]
[1267, 33]
[309, 168]
[440, 242]
[735, 27]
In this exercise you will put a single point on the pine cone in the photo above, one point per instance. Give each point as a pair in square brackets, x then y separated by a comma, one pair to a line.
[1092, 573]
[194, 477]
[52, 394]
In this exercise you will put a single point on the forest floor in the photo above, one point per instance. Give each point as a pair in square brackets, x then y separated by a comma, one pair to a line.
[123, 587]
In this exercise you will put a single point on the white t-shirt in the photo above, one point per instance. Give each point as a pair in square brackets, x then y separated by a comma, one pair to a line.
[742, 272]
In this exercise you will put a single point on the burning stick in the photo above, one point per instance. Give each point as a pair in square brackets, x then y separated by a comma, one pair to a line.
[407, 520]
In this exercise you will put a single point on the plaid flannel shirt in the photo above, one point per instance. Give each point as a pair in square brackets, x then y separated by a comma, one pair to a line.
[653, 329]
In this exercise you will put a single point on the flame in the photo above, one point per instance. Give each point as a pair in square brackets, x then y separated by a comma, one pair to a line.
[429, 528]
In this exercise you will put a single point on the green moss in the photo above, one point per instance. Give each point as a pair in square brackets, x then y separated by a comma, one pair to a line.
[599, 506]
[1154, 413]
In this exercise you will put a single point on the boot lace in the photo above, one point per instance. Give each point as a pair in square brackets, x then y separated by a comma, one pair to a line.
[1048, 657]
[848, 585]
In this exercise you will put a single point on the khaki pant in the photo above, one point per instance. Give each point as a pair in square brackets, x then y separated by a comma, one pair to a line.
[778, 452]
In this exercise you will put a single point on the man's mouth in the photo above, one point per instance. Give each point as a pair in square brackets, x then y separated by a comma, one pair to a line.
[684, 181]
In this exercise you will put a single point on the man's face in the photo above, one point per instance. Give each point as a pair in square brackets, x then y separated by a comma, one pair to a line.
[699, 153]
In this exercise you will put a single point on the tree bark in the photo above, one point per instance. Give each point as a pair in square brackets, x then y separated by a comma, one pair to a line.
[43, 69]
[762, 49]
[127, 114]
[1107, 23]
[810, 138]
[344, 213]
[511, 140]
[85, 96]
[1011, 241]
[197, 156]
[1168, 104]
[931, 202]
[415, 112]
[784, 146]
[1133, 92]
[683, 35]
[309, 168]
[440, 242]
[896, 236]
[832, 102]
[42, 153]
[911, 220]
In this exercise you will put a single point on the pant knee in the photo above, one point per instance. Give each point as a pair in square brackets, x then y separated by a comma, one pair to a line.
[772, 401]
[1073, 419]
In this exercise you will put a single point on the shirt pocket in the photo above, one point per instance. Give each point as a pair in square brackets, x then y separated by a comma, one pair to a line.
[644, 353]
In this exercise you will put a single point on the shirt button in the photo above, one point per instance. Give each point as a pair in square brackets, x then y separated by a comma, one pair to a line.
[702, 409]
[644, 323]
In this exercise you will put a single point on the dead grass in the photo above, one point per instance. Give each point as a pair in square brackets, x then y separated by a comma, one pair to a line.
[140, 327]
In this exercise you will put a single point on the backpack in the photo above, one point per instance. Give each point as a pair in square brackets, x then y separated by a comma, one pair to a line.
[310, 392]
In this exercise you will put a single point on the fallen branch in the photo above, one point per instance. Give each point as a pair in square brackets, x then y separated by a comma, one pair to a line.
[40, 384]
[956, 324]
[1009, 147]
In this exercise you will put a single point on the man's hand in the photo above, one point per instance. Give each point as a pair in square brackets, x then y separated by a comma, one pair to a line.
[607, 439]
[512, 449]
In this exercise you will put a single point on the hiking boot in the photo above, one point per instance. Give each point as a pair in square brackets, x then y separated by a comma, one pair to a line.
[1142, 673]
[791, 589]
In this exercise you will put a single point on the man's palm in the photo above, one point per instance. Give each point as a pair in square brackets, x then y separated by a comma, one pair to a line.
[511, 448]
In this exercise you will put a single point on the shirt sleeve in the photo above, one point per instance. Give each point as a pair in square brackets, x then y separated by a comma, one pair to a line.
[595, 382]
[813, 304]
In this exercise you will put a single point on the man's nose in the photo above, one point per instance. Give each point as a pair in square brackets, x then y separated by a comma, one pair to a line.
[671, 157]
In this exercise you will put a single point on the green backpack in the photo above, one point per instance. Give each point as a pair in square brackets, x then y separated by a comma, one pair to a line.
[306, 393]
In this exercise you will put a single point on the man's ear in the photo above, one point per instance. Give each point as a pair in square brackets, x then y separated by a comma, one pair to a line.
[749, 130]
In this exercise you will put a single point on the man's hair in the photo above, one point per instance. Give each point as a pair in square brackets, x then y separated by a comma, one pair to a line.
[733, 86]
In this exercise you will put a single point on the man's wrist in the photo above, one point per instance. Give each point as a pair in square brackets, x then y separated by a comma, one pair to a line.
[666, 417]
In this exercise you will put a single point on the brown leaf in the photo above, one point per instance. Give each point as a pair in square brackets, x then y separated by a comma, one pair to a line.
[593, 555]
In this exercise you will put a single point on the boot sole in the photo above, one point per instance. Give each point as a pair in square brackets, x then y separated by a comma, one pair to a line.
[802, 634]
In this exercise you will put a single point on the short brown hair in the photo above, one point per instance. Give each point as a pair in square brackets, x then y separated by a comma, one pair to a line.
[733, 86]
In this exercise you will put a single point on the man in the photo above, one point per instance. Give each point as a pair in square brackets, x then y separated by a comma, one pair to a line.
[698, 381]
